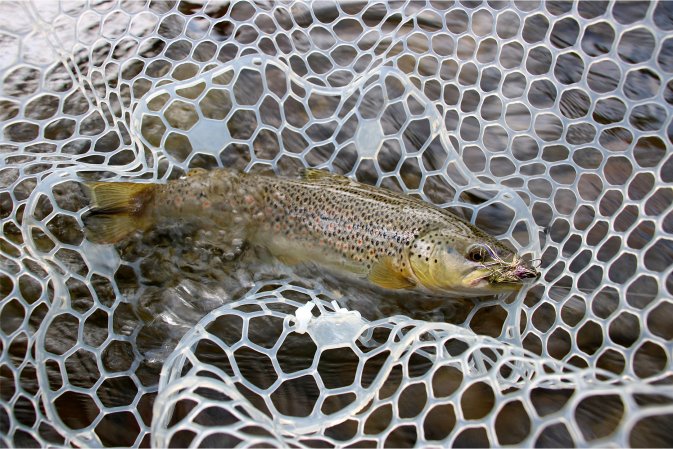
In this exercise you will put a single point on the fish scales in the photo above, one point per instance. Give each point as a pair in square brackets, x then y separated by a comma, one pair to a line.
[362, 228]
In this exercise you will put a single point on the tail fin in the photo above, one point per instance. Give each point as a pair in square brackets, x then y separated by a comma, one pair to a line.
[117, 210]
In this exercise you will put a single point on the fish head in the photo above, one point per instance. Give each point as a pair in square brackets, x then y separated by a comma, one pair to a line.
[467, 263]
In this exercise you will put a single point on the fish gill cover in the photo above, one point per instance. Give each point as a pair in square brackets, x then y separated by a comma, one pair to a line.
[546, 123]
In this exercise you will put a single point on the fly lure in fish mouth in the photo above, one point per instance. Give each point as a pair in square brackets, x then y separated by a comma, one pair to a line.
[501, 271]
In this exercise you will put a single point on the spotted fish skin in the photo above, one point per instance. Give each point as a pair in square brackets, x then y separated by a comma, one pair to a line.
[358, 224]
[394, 240]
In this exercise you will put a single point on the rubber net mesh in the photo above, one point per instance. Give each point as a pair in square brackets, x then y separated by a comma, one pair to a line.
[548, 124]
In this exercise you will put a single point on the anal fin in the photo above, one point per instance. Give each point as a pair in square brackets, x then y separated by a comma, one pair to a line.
[386, 275]
[288, 259]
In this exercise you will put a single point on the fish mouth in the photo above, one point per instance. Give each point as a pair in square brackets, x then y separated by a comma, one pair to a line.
[512, 275]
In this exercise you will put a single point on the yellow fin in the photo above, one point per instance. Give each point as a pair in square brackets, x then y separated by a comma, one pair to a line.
[117, 210]
[384, 274]
[111, 228]
[118, 196]
[314, 174]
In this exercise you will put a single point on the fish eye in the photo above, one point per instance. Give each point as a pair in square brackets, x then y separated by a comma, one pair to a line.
[476, 253]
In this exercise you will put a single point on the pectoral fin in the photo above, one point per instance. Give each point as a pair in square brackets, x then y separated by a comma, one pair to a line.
[386, 275]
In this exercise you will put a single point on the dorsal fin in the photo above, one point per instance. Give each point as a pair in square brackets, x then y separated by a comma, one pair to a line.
[259, 170]
[314, 174]
[196, 171]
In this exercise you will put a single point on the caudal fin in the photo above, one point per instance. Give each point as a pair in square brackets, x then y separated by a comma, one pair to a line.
[117, 210]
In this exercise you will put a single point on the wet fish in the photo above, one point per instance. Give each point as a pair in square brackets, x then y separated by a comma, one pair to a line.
[393, 240]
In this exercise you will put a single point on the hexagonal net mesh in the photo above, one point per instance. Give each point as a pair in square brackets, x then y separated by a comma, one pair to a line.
[548, 124]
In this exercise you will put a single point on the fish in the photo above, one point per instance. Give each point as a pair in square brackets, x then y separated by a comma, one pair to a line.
[392, 240]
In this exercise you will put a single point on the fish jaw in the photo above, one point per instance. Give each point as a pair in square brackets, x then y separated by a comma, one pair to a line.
[477, 278]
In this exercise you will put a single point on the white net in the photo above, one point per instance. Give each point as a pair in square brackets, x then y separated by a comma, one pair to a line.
[548, 124]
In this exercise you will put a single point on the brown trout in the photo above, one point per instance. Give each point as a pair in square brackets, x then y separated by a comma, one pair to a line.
[393, 240]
